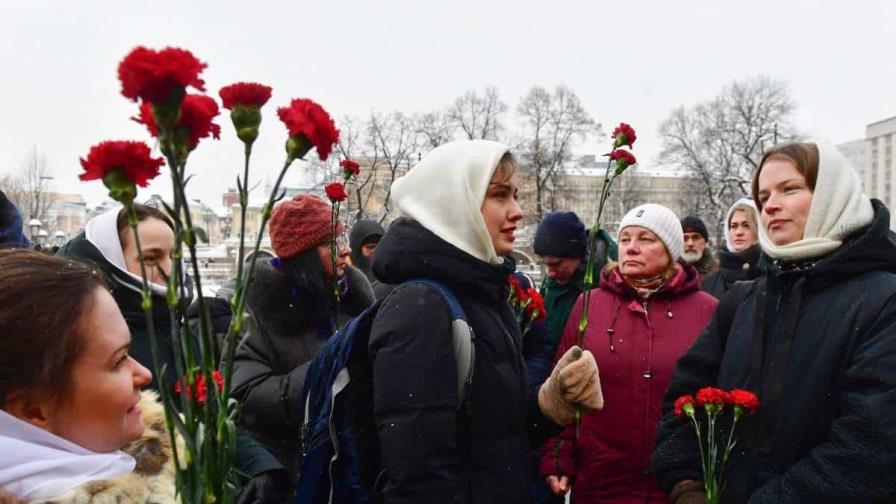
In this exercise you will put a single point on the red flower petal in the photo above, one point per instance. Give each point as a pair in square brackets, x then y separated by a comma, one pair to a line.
[627, 134]
[350, 166]
[131, 157]
[196, 114]
[306, 118]
[153, 75]
[336, 192]
[681, 402]
[246, 94]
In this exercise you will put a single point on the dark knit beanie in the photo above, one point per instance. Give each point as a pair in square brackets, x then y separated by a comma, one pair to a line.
[561, 234]
[691, 224]
[300, 224]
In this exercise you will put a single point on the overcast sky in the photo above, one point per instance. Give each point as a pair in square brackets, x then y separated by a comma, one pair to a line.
[628, 61]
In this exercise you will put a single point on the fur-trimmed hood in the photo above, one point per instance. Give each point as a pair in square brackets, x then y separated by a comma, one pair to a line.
[153, 479]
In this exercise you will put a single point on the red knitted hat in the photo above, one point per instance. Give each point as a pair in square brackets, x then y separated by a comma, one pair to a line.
[300, 224]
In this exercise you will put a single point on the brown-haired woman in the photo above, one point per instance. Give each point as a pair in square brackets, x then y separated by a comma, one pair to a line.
[70, 397]
[815, 338]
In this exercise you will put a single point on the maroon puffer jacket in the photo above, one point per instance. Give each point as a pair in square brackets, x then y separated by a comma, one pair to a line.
[636, 343]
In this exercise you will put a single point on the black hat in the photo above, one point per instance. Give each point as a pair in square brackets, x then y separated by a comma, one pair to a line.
[692, 224]
[561, 234]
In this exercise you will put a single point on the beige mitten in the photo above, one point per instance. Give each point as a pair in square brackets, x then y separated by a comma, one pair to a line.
[574, 383]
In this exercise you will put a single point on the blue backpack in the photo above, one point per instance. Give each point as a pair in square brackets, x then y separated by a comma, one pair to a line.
[339, 433]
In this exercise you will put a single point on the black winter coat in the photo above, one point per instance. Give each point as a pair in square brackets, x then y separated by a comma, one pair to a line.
[284, 337]
[733, 267]
[431, 452]
[820, 351]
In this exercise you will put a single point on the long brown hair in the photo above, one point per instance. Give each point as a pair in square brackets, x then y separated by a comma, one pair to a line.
[42, 300]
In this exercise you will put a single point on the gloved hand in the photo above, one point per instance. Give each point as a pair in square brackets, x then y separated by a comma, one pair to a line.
[269, 487]
[688, 492]
[574, 384]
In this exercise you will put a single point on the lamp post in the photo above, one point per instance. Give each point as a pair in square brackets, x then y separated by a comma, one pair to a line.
[58, 238]
[42, 237]
[35, 225]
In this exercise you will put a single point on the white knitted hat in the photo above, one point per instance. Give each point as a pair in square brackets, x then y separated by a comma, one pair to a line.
[662, 221]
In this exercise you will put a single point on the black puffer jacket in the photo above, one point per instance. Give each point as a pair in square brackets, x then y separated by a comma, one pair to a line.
[823, 342]
[733, 267]
[430, 452]
[284, 336]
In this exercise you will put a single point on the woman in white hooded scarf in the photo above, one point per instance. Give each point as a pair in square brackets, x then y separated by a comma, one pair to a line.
[460, 217]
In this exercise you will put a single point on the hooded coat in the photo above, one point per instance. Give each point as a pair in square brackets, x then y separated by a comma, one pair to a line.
[635, 342]
[429, 449]
[816, 340]
[364, 231]
[11, 228]
[430, 452]
[733, 267]
[284, 337]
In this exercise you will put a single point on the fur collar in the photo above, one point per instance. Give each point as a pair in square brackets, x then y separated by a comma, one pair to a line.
[153, 480]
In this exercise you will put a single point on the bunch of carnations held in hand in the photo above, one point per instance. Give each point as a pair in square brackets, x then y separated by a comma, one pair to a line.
[715, 403]
[198, 407]
[526, 303]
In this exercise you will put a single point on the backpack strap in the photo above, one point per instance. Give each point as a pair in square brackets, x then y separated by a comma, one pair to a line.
[461, 335]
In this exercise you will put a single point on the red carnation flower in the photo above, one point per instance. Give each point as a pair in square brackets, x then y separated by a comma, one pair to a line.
[336, 192]
[684, 405]
[535, 308]
[153, 75]
[517, 294]
[623, 159]
[131, 158]
[745, 399]
[305, 118]
[196, 114]
[623, 135]
[201, 392]
[712, 396]
[349, 167]
[244, 94]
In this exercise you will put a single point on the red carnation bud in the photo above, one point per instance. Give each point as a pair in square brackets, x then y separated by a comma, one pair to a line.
[684, 405]
[201, 394]
[336, 192]
[121, 165]
[159, 76]
[623, 159]
[349, 168]
[744, 399]
[623, 135]
[712, 398]
[244, 100]
[535, 308]
[193, 124]
[309, 126]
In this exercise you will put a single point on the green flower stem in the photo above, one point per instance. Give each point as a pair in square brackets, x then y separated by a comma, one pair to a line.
[334, 253]
[146, 305]
[240, 294]
[589, 266]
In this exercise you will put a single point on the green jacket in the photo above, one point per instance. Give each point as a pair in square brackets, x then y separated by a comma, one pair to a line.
[559, 299]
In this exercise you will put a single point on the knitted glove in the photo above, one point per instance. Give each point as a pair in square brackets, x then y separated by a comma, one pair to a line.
[574, 384]
[688, 492]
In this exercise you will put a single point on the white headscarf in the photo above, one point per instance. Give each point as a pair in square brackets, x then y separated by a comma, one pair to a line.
[102, 232]
[839, 208]
[445, 190]
[747, 205]
[37, 465]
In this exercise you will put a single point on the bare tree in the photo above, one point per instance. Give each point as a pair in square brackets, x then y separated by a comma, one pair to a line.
[434, 128]
[479, 116]
[393, 138]
[34, 177]
[11, 185]
[553, 124]
[355, 144]
[722, 140]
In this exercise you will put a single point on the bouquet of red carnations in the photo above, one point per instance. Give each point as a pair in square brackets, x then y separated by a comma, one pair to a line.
[526, 303]
[715, 403]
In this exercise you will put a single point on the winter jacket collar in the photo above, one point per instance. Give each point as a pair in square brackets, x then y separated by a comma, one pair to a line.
[686, 279]
[36, 464]
[408, 250]
[868, 249]
[739, 261]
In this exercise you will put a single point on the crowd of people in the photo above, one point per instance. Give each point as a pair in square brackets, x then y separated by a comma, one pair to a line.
[797, 305]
